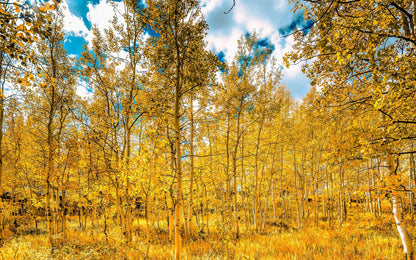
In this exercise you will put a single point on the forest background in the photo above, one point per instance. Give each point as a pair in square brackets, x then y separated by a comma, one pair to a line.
[178, 153]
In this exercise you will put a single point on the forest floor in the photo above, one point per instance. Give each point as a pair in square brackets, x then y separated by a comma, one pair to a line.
[362, 237]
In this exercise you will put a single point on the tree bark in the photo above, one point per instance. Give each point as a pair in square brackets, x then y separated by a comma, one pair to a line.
[256, 176]
[2, 76]
[397, 212]
[401, 228]
[191, 181]
[50, 158]
[179, 188]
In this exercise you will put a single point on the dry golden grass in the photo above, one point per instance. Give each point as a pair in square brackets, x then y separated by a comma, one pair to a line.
[369, 238]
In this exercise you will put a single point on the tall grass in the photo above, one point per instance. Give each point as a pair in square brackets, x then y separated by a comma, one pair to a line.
[362, 237]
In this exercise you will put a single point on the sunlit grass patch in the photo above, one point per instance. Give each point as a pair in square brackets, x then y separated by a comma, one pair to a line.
[363, 236]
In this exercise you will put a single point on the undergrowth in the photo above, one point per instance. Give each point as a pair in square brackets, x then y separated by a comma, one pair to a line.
[365, 237]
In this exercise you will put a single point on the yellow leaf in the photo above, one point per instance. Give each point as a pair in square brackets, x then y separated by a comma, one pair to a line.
[379, 103]
[42, 9]
[50, 6]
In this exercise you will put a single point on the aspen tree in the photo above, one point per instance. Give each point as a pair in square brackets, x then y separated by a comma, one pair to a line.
[364, 62]
[179, 36]
[19, 25]
[49, 99]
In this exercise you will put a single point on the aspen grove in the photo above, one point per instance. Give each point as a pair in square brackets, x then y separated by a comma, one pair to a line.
[178, 153]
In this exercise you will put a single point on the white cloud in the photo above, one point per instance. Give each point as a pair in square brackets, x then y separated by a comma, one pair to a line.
[102, 13]
[293, 71]
[82, 90]
[265, 17]
[225, 43]
[72, 23]
[209, 5]
[99, 15]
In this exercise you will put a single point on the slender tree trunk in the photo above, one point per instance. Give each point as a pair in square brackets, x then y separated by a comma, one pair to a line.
[171, 213]
[146, 216]
[205, 186]
[177, 115]
[282, 192]
[227, 167]
[105, 211]
[243, 178]
[378, 192]
[397, 213]
[340, 195]
[236, 217]
[256, 176]
[63, 215]
[119, 207]
[2, 78]
[295, 173]
[401, 228]
[412, 184]
[50, 158]
[2, 82]
[266, 205]
[191, 181]
[316, 201]
[128, 218]
[235, 158]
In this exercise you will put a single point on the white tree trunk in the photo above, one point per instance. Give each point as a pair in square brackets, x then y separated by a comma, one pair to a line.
[401, 228]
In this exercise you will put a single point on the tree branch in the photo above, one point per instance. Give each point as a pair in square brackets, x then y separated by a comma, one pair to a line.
[229, 10]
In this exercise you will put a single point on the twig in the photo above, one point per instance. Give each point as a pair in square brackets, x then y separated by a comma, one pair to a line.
[213, 249]
[229, 10]
[17, 250]
[140, 251]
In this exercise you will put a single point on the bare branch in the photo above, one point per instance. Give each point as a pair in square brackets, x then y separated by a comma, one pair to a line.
[229, 10]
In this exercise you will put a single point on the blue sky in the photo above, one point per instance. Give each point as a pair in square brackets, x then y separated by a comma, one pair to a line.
[269, 18]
